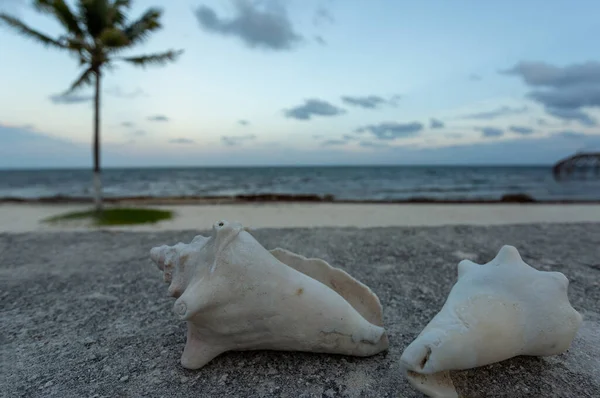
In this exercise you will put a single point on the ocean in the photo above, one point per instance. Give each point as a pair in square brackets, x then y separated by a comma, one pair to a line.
[375, 183]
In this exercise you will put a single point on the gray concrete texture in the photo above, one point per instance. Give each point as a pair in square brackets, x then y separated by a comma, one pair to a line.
[88, 315]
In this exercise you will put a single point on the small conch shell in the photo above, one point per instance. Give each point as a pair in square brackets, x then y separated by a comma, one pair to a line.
[236, 295]
[494, 312]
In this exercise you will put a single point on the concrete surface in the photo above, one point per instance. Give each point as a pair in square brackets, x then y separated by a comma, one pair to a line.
[87, 315]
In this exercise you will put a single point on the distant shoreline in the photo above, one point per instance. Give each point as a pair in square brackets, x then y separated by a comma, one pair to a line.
[281, 166]
[283, 198]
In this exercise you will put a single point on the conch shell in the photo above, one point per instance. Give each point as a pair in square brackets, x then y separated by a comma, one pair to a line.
[236, 295]
[494, 312]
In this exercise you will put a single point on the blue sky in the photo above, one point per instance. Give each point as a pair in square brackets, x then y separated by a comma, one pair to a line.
[318, 82]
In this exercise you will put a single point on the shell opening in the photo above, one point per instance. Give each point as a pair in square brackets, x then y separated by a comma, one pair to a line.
[417, 357]
[425, 358]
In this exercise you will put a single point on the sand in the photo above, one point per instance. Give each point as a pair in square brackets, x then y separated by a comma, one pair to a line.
[88, 315]
[27, 217]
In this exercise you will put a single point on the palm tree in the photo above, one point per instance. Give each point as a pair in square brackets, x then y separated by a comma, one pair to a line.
[96, 34]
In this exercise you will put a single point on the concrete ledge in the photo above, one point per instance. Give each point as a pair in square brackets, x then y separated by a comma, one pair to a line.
[87, 314]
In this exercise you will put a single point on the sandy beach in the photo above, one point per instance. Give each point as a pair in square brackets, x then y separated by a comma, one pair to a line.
[28, 217]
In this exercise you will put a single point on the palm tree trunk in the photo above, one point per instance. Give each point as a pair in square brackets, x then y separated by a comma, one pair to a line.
[97, 180]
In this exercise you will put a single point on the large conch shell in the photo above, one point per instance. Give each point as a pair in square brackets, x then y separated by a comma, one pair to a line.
[236, 295]
[494, 312]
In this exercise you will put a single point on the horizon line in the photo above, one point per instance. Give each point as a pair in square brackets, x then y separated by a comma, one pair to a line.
[258, 166]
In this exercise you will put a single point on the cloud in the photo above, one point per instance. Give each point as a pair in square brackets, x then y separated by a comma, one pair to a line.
[393, 101]
[313, 107]
[243, 122]
[265, 27]
[454, 135]
[502, 111]
[545, 123]
[139, 133]
[320, 40]
[525, 150]
[545, 75]
[23, 146]
[372, 145]
[118, 92]
[572, 114]
[323, 17]
[158, 118]
[70, 99]
[563, 91]
[490, 132]
[127, 124]
[181, 141]
[10, 134]
[334, 142]
[370, 101]
[571, 134]
[231, 140]
[392, 130]
[436, 124]
[521, 130]
[343, 140]
[474, 77]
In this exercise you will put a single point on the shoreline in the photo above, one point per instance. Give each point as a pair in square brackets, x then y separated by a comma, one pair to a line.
[27, 217]
[273, 198]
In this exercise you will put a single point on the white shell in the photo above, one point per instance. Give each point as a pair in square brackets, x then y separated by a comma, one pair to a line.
[236, 295]
[496, 311]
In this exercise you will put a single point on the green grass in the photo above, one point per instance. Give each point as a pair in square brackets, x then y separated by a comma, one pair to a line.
[116, 216]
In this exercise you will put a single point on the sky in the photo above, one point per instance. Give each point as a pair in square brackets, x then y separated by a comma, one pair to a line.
[311, 82]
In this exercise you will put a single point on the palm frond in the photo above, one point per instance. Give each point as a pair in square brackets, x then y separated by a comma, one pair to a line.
[109, 66]
[26, 31]
[117, 16]
[83, 80]
[78, 44]
[139, 30]
[60, 9]
[81, 50]
[122, 3]
[153, 59]
[95, 15]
